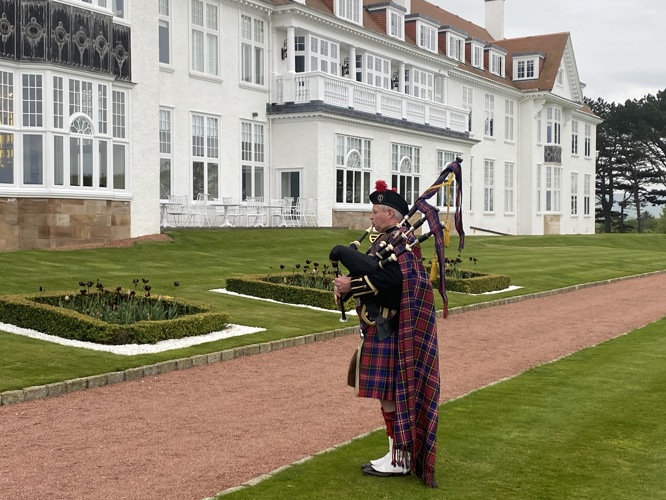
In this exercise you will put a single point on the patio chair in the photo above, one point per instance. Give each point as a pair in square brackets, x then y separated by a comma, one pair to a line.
[254, 211]
[178, 211]
[199, 210]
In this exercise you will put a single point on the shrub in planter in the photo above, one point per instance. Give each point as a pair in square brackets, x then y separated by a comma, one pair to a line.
[285, 288]
[43, 313]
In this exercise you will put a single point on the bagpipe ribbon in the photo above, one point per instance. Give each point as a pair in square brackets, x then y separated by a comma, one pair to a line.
[432, 217]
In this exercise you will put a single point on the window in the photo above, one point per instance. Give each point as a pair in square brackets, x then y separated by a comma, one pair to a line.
[102, 109]
[508, 120]
[324, 56]
[489, 128]
[32, 96]
[351, 10]
[253, 160]
[455, 47]
[299, 53]
[496, 63]
[574, 193]
[166, 154]
[560, 77]
[419, 83]
[353, 163]
[427, 38]
[119, 149]
[552, 188]
[574, 137]
[446, 195]
[553, 125]
[538, 188]
[205, 155]
[588, 140]
[587, 183]
[538, 126]
[118, 8]
[396, 24]
[77, 152]
[406, 170]
[205, 37]
[164, 24]
[252, 50]
[488, 186]
[525, 69]
[477, 55]
[467, 104]
[378, 71]
[508, 188]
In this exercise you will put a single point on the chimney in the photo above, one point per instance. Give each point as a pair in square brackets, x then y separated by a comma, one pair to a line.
[407, 4]
[495, 18]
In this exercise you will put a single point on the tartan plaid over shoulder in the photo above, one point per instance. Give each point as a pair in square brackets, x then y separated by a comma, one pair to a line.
[417, 373]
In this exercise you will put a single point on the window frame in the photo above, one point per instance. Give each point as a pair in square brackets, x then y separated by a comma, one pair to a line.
[164, 20]
[455, 47]
[489, 122]
[256, 45]
[574, 194]
[208, 145]
[166, 151]
[426, 36]
[253, 160]
[406, 170]
[204, 67]
[488, 186]
[349, 10]
[509, 188]
[395, 24]
[354, 191]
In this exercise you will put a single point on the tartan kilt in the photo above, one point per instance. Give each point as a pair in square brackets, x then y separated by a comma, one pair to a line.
[377, 367]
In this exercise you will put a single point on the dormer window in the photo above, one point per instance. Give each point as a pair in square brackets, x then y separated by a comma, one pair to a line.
[526, 66]
[496, 60]
[427, 37]
[396, 24]
[476, 55]
[455, 47]
[350, 10]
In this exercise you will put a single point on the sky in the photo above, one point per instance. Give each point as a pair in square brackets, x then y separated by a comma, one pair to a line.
[616, 43]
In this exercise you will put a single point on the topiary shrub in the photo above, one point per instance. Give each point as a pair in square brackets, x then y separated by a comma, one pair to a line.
[278, 287]
[41, 313]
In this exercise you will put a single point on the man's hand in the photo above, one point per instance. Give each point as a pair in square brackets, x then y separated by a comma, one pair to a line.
[342, 287]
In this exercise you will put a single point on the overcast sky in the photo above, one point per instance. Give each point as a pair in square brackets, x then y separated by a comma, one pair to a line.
[619, 44]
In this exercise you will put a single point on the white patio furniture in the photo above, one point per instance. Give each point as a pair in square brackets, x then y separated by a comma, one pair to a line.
[199, 211]
[177, 210]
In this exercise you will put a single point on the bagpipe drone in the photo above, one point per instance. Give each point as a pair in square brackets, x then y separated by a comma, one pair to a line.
[359, 263]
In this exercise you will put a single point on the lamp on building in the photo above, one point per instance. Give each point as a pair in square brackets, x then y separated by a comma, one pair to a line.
[345, 67]
[284, 50]
[395, 82]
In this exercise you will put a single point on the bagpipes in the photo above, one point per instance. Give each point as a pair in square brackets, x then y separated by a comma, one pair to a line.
[359, 264]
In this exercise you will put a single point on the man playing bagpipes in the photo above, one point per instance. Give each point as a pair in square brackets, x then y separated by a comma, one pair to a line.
[398, 359]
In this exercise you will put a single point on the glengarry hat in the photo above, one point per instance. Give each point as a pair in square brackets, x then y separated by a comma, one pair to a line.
[389, 197]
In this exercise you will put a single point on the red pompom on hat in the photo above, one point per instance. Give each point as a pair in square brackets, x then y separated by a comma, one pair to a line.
[380, 186]
[391, 198]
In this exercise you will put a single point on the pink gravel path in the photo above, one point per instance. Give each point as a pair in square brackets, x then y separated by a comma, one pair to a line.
[191, 434]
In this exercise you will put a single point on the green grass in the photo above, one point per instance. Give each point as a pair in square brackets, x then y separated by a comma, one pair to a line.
[202, 260]
[589, 426]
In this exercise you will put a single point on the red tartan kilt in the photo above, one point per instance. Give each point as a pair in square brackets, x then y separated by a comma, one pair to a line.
[378, 366]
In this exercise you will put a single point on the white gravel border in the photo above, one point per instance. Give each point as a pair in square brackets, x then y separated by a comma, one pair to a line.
[335, 311]
[134, 349]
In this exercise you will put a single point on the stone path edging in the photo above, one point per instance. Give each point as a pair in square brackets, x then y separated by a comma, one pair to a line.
[80, 384]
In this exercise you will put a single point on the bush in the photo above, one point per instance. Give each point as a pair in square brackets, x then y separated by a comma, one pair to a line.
[475, 282]
[277, 287]
[39, 313]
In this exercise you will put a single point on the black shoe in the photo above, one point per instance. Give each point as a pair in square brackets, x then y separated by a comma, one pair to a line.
[368, 470]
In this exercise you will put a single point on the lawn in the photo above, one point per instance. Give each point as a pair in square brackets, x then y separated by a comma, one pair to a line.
[589, 426]
[201, 260]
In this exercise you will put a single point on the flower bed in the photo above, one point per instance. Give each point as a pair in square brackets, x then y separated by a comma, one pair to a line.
[42, 313]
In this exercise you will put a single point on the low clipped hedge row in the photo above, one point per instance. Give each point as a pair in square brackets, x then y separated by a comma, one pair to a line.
[477, 283]
[259, 286]
[34, 312]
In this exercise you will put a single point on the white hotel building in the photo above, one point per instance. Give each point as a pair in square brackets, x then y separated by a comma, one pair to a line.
[109, 106]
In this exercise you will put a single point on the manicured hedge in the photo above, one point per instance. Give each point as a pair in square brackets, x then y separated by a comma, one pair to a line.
[477, 283]
[31, 311]
[257, 286]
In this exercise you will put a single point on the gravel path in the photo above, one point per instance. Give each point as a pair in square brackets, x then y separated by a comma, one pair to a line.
[190, 434]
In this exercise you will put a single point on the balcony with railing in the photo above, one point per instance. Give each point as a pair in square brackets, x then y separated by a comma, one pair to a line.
[343, 93]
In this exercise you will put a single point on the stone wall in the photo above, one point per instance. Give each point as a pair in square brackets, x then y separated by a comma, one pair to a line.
[51, 223]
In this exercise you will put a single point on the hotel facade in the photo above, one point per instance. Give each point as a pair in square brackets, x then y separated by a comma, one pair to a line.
[108, 107]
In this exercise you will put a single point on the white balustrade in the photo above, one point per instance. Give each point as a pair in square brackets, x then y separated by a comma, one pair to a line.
[347, 93]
